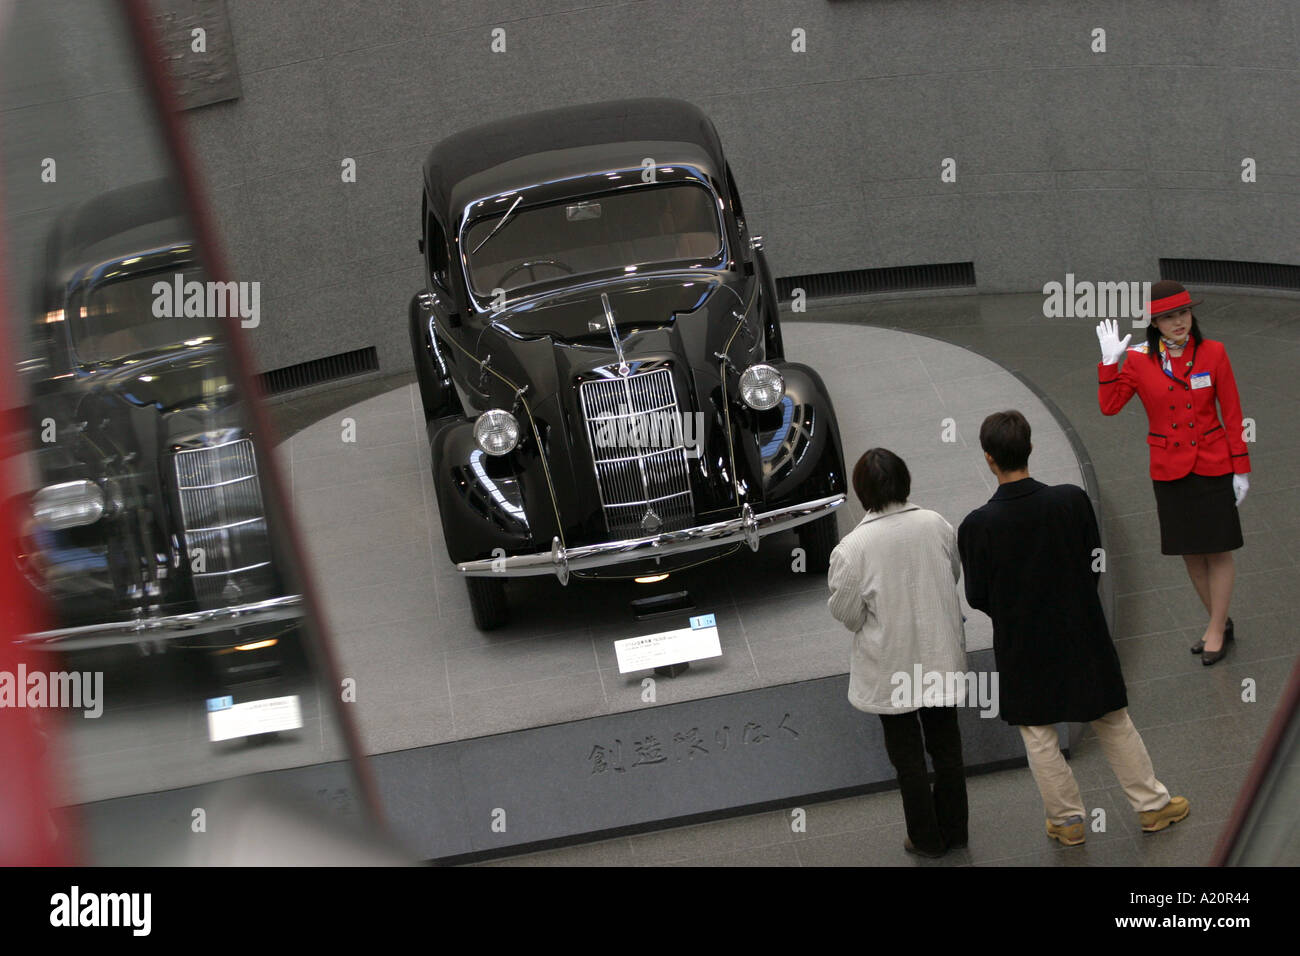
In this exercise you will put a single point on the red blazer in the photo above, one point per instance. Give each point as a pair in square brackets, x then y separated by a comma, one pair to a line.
[1183, 428]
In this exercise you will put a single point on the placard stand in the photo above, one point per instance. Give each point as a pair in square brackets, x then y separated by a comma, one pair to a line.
[660, 605]
[672, 670]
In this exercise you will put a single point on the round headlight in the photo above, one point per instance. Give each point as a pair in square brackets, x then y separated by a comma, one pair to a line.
[71, 504]
[496, 432]
[762, 387]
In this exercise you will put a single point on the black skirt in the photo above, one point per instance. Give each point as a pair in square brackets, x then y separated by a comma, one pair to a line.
[1198, 515]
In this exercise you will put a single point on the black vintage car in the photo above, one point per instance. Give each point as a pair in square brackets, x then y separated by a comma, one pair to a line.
[599, 356]
[145, 521]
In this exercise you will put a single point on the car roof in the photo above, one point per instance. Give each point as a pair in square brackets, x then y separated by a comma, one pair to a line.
[571, 140]
[116, 224]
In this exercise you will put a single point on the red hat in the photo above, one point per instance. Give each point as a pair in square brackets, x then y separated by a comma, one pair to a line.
[1169, 296]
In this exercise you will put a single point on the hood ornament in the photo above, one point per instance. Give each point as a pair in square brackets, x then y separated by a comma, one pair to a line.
[231, 592]
[623, 368]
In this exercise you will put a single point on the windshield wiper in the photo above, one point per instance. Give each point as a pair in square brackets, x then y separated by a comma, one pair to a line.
[497, 227]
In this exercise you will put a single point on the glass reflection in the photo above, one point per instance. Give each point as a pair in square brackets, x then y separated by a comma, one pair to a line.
[1270, 833]
[177, 649]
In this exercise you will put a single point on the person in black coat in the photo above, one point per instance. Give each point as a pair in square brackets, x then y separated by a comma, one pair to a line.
[1031, 557]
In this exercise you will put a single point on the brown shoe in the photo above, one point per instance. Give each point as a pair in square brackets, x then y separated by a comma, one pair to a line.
[1070, 832]
[1154, 821]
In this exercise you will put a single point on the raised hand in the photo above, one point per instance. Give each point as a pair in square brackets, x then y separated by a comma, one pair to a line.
[1112, 347]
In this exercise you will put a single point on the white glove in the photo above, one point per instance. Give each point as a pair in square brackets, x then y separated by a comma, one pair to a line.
[1111, 346]
[1240, 485]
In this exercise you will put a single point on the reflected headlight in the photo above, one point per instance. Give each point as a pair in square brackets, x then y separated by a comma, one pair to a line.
[496, 432]
[71, 504]
[762, 387]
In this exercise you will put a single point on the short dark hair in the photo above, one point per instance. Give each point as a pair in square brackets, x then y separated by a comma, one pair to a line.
[1004, 436]
[881, 478]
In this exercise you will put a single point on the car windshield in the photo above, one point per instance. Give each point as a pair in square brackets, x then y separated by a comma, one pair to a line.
[633, 226]
[117, 319]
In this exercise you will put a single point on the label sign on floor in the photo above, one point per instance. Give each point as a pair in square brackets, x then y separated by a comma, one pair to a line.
[228, 720]
[693, 643]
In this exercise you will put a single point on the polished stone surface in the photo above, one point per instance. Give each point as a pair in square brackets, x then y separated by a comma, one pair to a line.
[781, 746]
[398, 610]
[1201, 734]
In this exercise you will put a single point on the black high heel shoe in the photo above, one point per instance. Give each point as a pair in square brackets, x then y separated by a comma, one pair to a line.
[1199, 646]
[1213, 657]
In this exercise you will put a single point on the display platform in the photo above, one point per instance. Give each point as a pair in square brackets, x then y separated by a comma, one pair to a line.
[770, 748]
[399, 613]
[492, 743]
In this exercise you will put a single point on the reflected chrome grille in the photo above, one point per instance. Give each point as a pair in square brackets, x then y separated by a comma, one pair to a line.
[223, 518]
[634, 428]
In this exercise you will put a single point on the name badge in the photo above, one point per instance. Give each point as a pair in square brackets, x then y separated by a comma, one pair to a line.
[1201, 380]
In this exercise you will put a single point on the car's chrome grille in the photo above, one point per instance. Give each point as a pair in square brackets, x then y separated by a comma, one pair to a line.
[224, 523]
[634, 429]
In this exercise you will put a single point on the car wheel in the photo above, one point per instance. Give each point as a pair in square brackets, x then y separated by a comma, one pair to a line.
[818, 539]
[487, 599]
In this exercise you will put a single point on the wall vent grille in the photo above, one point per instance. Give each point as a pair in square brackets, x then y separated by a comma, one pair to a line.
[1270, 275]
[344, 365]
[942, 275]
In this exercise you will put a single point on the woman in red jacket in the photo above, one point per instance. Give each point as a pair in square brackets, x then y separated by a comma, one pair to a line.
[1198, 463]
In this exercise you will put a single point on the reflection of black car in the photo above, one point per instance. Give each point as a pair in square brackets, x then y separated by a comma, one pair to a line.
[599, 355]
[147, 522]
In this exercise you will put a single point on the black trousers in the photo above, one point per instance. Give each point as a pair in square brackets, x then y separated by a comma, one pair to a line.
[935, 820]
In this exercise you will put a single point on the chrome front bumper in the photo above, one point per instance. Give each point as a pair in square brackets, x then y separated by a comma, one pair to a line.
[748, 527]
[168, 627]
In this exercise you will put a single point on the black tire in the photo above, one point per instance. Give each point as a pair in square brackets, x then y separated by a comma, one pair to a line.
[487, 599]
[818, 539]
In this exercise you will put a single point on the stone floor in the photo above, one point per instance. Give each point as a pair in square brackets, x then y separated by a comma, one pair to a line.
[1200, 732]
[399, 613]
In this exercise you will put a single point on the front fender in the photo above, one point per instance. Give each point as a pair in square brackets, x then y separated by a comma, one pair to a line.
[794, 450]
[481, 500]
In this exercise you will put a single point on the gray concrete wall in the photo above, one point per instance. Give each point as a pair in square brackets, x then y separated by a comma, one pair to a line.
[1067, 160]
[70, 93]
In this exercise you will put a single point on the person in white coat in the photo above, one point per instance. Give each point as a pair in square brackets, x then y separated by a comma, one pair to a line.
[893, 583]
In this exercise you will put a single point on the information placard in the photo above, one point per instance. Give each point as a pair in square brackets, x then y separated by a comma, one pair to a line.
[228, 720]
[693, 643]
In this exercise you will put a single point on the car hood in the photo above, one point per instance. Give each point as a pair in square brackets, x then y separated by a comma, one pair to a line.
[545, 342]
[679, 324]
[168, 379]
[174, 393]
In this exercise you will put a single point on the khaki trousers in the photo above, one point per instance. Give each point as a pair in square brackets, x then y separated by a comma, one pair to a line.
[1122, 746]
